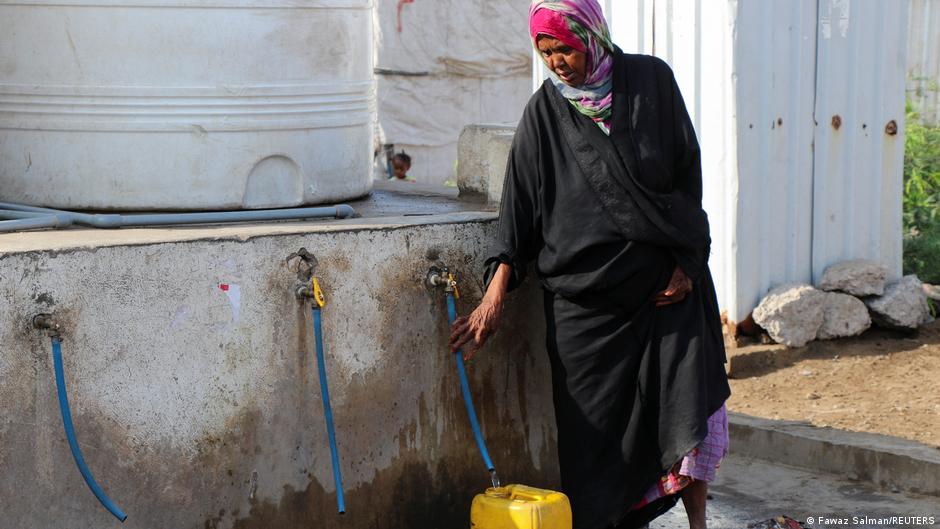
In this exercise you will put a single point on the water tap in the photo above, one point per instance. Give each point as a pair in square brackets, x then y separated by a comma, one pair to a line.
[437, 277]
[304, 264]
[311, 291]
[45, 322]
[442, 277]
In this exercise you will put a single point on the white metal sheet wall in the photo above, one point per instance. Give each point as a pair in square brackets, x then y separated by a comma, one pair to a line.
[746, 73]
[859, 156]
[775, 48]
[697, 43]
[923, 59]
[785, 196]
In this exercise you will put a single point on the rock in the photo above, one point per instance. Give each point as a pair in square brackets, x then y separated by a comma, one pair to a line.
[932, 291]
[791, 314]
[859, 278]
[903, 305]
[843, 315]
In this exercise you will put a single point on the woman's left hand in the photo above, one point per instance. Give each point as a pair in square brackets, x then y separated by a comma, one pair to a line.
[678, 288]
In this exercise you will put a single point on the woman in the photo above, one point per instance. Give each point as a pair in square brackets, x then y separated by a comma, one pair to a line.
[603, 191]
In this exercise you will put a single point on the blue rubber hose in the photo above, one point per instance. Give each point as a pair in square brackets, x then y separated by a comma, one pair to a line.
[70, 433]
[465, 388]
[328, 410]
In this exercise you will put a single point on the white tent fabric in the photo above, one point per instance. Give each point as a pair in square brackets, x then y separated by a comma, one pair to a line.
[453, 63]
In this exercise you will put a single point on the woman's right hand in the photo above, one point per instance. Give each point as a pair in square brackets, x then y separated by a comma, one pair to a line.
[471, 332]
[474, 330]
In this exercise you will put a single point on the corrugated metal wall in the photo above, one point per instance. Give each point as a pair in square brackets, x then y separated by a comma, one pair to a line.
[781, 210]
[787, 194]
[859, 157]
[746, 70]
[774, 74]
[697, 43]
[923, 60]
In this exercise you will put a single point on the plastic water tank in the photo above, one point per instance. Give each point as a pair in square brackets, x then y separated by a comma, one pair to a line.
[185, 104]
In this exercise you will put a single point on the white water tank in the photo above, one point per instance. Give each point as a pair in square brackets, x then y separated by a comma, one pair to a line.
[185, 104]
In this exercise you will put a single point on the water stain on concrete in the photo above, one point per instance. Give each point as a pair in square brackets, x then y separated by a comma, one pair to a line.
[44, 298]
[437, 470]
[415, 491]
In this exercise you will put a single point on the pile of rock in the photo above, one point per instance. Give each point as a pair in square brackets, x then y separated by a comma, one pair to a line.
[851, 295]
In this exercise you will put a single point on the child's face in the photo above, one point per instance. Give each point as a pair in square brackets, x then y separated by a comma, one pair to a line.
[400, 168]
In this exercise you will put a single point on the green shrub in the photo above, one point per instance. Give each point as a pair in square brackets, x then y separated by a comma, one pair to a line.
[921, 199]
[922, 254]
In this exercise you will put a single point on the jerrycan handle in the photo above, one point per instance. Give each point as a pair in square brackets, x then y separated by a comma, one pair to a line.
[527, 494]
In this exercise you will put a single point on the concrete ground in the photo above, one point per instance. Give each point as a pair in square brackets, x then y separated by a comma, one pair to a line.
[749, 490]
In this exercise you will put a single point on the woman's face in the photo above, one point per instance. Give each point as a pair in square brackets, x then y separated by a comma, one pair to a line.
[568, 63]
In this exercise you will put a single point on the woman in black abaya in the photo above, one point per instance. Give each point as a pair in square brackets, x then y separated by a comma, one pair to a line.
[603, 192]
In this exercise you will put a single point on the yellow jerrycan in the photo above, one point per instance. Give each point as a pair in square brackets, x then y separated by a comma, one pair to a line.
[520, 507]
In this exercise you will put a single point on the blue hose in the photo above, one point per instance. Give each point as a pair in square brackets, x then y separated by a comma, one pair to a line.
[465, 388]
[328, 410]
[70, 433]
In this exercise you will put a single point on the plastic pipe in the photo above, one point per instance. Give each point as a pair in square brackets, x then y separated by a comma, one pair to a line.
[467, 398]
[341, 211]
[32, 223]
[70, 433]
[110, 220]
[34, 220]
[14, 214]
[99, 221]
[328, 410]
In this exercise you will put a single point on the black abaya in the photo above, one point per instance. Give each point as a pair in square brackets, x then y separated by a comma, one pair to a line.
[606, 219]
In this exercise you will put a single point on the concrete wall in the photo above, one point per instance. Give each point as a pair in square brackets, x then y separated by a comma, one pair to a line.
[483, 152]
[199, 407]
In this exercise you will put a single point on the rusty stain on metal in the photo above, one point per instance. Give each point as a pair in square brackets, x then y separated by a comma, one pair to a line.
[779, 122]
[836, 121]
[891, 128]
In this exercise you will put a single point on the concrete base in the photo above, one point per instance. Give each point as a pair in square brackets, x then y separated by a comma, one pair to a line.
[191, 373]
[748, 491]
[888, 462]
[482, 152]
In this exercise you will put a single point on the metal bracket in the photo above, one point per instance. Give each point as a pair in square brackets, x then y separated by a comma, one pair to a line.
[303, 263]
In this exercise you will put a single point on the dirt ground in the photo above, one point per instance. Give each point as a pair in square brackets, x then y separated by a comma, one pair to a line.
[882, 382]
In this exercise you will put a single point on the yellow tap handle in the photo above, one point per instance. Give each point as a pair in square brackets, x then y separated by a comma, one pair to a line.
[453, 283]
[318, 294]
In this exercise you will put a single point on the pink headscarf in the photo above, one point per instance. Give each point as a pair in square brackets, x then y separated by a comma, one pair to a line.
[553, 24]
[580, 24]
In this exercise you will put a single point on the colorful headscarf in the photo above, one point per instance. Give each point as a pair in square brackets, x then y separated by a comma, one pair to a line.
[581, 25]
